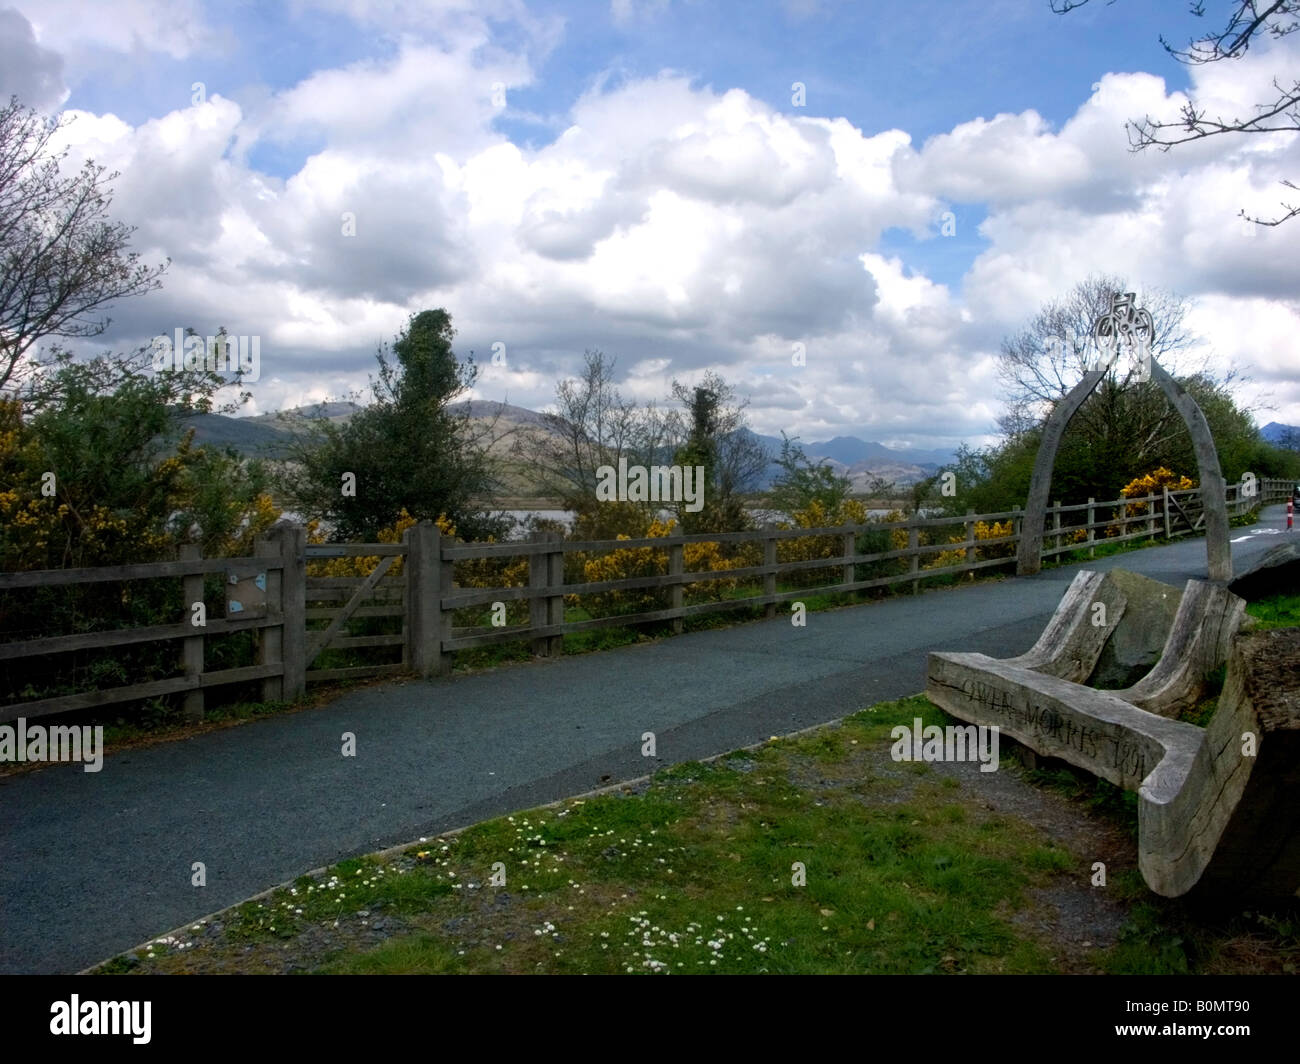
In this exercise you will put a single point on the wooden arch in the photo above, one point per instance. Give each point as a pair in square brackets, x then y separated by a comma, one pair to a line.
[1213, 489]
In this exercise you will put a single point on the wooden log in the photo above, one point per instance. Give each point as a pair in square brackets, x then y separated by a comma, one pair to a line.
[1094, 730]
[970, 538]
[1216, 806]
[1028, 558]
[1213, 489]
[117, 637]
[293, 609]
[1073, 639]
[142, 571]
[445, 585]
[676, 566]
[538, 580]
[422, 598]
[914, 557]
[555, 582]
[354, 550]
[1229, 833]
[270, 640]
[136, 692]
[1200, 640]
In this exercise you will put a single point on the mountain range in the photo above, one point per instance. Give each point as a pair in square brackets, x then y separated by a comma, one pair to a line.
[1275, 432]
[268, 435]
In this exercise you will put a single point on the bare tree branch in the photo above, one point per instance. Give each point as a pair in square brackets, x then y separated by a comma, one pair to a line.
[60, 262]
[1247, 20]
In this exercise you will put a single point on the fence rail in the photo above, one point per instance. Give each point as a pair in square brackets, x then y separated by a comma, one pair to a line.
[279, 599]
[276, 566]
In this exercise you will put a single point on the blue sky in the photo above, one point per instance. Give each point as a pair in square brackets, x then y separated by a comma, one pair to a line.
[650, 188]
[923, 68]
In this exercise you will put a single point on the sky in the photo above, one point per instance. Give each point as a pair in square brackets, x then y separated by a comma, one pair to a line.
[881, 192]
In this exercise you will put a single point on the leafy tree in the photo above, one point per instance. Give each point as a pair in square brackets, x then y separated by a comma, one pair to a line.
[802, 482]
[922, 492]
[60, 262]
[98, 468]
[593, 425]
[124, 482]
[712, 422]
[405, 451]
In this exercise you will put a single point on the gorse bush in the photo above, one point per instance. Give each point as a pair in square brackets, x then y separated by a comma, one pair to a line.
[1139, 487]
[981, 531]
[99, 470]
[632, 562]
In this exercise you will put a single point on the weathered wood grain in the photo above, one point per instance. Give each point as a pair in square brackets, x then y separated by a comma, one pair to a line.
[1200, 640]
[1073, 640]
[1216, 806]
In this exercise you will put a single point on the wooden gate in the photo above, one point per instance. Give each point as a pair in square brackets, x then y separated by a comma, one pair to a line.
[343, 601]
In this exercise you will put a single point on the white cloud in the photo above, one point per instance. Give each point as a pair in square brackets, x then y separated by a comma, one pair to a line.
[28, 70]
[171, 27]
[677, 227]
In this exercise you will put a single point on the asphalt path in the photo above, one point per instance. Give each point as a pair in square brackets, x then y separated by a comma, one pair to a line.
[94, 863]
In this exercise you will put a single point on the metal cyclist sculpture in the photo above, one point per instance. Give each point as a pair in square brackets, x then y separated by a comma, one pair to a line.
[1127, 325]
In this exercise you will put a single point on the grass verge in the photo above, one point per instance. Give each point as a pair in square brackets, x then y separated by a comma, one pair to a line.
[812, 854]
[1279, 611]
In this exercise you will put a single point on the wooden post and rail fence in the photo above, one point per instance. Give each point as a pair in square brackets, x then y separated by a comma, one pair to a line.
[271, 594]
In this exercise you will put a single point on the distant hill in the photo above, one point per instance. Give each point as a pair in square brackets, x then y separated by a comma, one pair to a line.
[1287, 435]
[268, 436]
[295, 417]
[486, 409]
[244, 435]
[863, 460]
[263, 435]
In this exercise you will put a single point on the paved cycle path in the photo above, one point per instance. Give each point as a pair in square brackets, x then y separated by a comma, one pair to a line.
[94, 863]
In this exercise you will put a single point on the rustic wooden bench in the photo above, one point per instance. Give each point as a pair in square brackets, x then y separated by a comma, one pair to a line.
[1216, 805]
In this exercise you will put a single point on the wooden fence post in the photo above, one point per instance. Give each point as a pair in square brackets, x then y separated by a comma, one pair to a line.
[270, 643]
[677, 566]
[538, 578]
[913, 542]
[850, 545]
[1151, 516]
[293, 610]
[192, 648]
[422, 605]
[769, 578]
[555, 603]
[1164, 508]
[1056, 524]
[1092, 531]
[442, 583]
[970, 539]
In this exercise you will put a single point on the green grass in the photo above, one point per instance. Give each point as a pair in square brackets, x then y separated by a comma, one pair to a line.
[813, 854]
[1280, 611]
